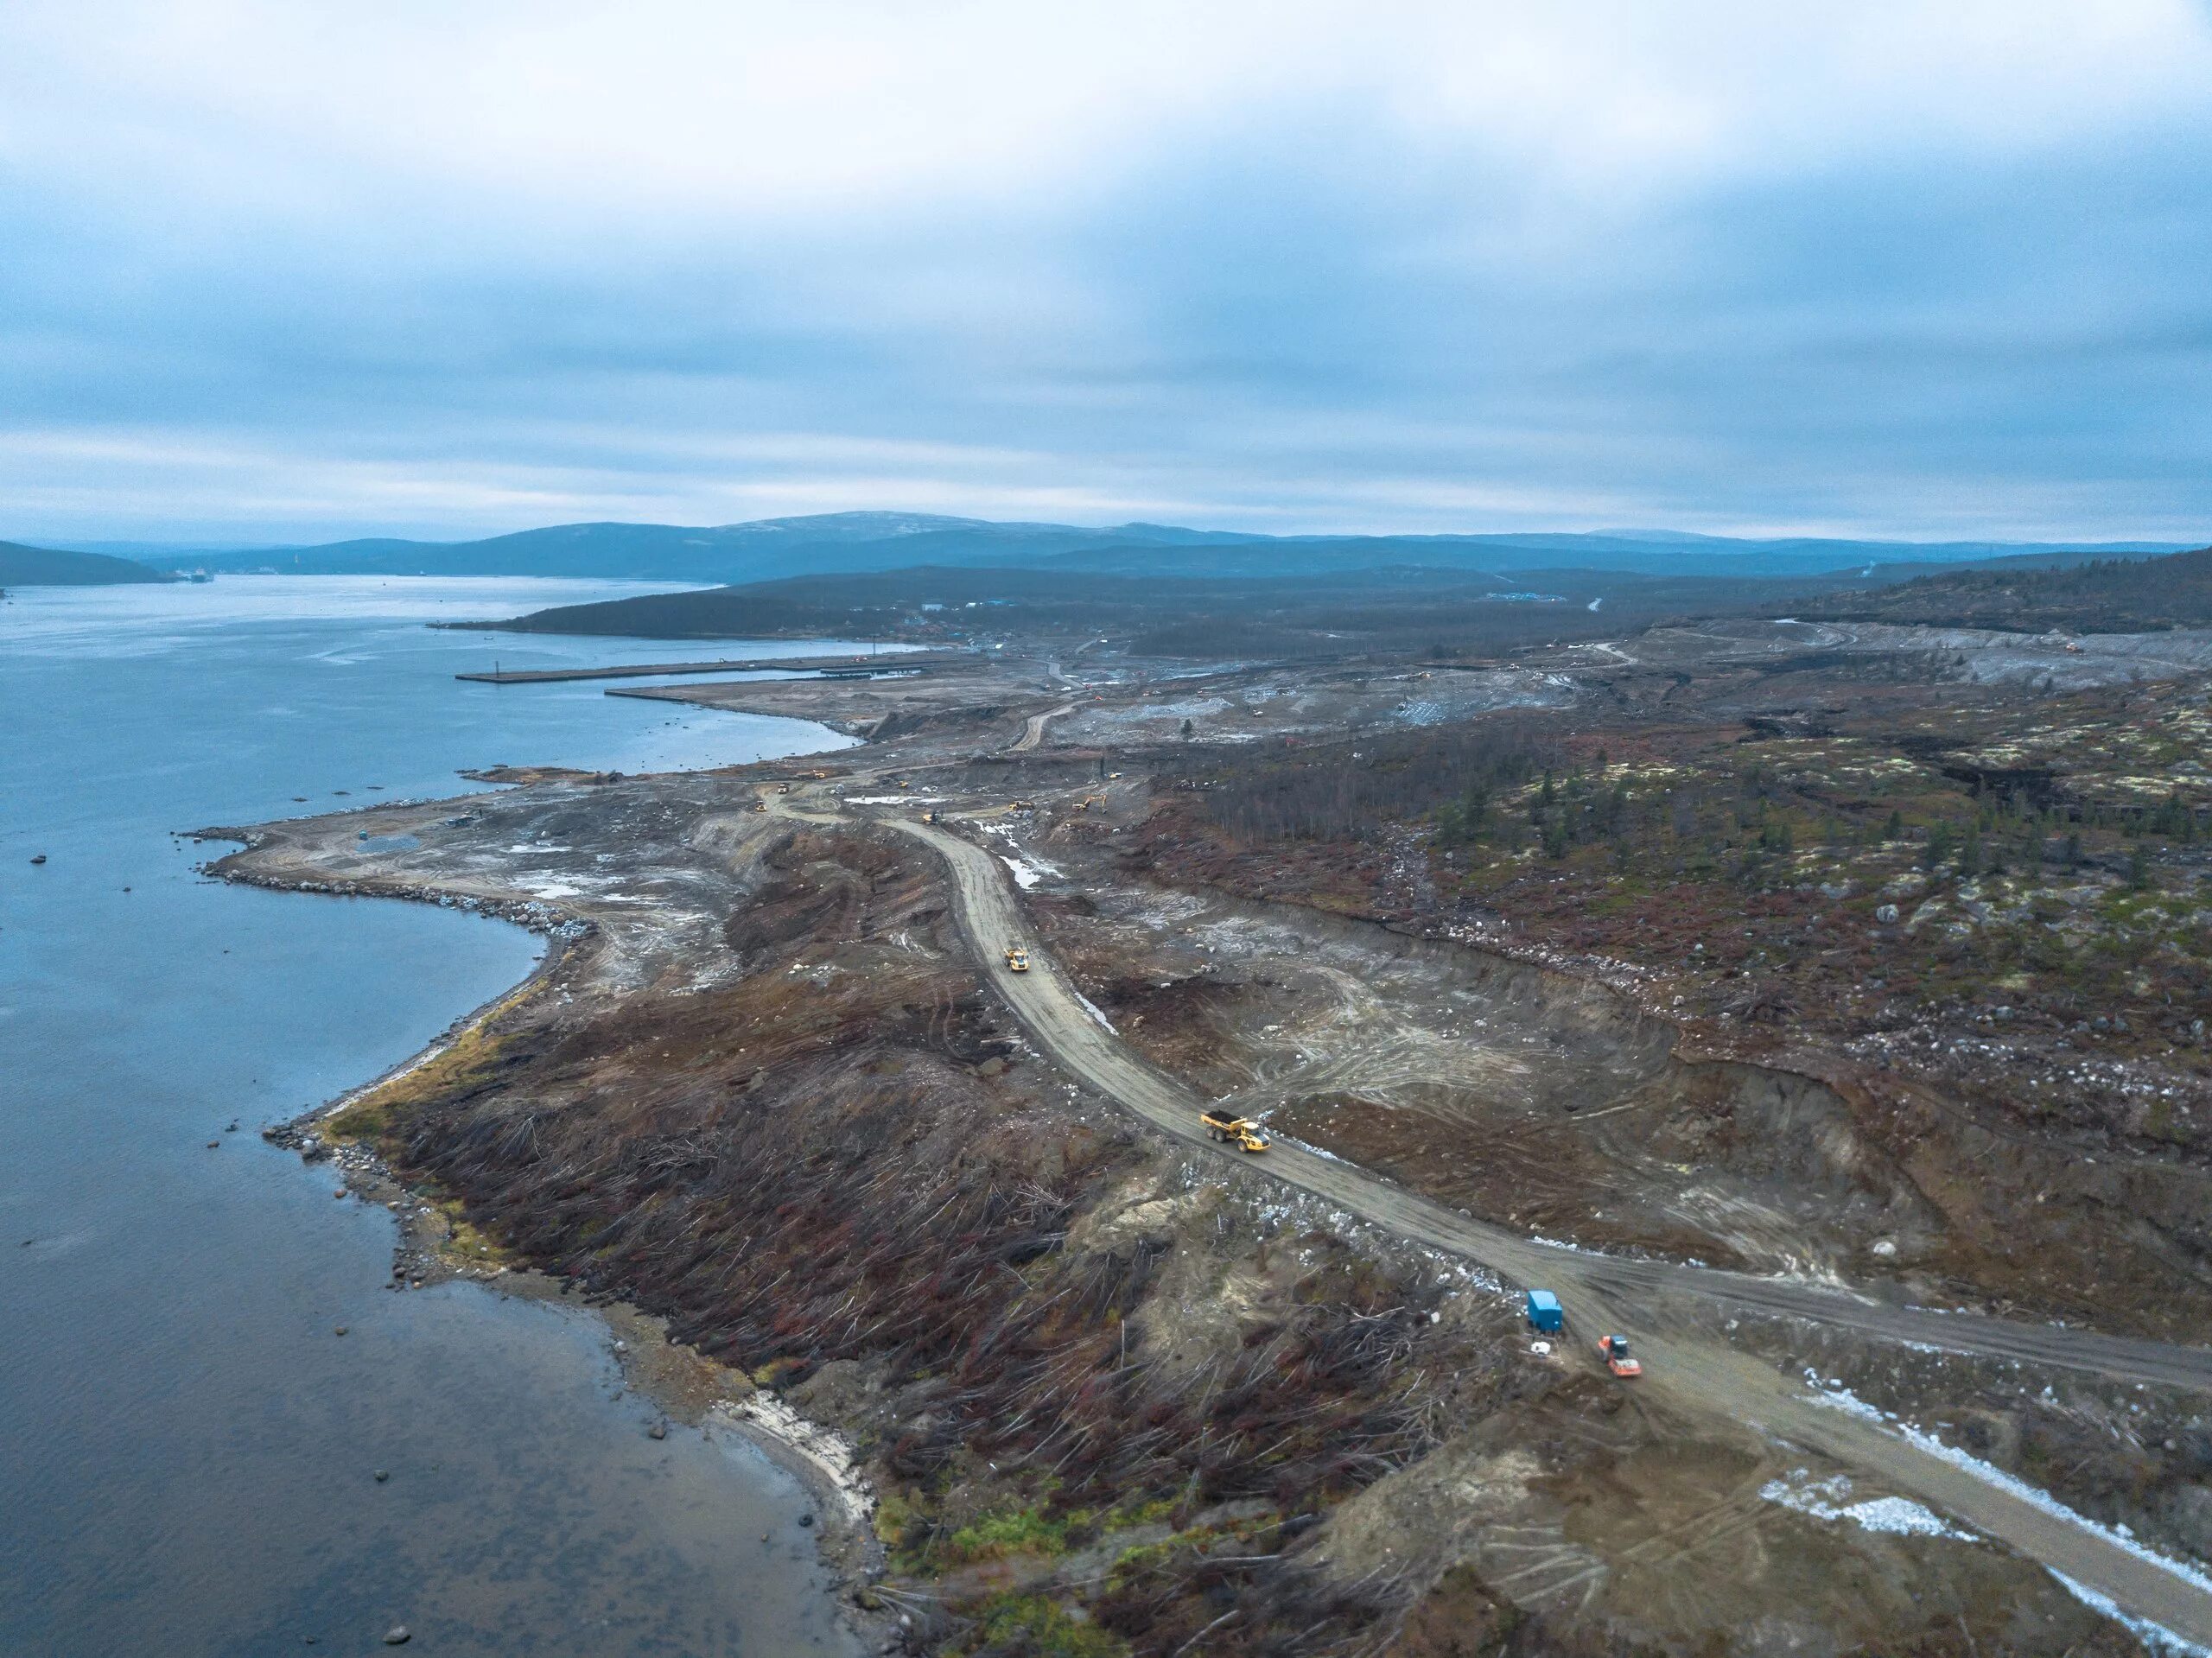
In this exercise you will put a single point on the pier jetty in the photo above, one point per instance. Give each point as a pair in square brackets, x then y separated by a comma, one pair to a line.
[893, 662]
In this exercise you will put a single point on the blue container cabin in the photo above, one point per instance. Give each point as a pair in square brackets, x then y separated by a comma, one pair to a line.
[1544, 1312]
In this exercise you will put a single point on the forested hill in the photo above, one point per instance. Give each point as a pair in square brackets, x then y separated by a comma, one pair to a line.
[768, 549]
[2102, 596]
[42, 567]
[1446, 613]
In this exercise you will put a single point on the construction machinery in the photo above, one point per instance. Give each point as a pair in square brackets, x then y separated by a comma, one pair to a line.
[1614, 1350]
[1233, 1130]
[783, 788]
[929, 816]
[760, 805]
[1017, 959]
[1545, 1313]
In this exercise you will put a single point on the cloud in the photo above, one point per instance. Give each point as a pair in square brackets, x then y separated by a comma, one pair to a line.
[289, 270]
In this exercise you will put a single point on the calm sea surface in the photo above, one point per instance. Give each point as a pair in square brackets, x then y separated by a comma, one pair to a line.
[186, 1451]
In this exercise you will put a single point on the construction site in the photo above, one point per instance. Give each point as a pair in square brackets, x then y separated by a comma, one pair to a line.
[1689, 1142]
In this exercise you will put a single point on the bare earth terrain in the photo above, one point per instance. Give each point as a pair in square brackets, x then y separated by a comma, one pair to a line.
[1818, 1006]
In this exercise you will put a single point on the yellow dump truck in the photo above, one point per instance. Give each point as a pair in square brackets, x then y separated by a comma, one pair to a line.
[929, 816]
[1017, 959]
[1231, 1130]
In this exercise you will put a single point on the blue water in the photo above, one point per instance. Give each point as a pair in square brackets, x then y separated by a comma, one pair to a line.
[187, 1450]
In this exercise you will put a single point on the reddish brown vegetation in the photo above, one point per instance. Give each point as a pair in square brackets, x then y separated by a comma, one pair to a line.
[825, 1165]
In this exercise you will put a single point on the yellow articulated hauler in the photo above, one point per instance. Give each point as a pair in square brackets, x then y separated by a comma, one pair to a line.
[1234, 1130]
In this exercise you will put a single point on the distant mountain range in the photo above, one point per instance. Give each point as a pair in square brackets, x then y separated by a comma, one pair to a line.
[46, 567]
[772, 549]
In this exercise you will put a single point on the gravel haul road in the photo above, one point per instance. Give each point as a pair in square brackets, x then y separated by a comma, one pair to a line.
[1032, 728]
[1693, 1376]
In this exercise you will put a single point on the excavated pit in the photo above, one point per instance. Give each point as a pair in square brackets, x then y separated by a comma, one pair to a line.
[1515, 1093]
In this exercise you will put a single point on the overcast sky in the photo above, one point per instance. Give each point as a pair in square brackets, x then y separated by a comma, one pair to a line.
[273, 271]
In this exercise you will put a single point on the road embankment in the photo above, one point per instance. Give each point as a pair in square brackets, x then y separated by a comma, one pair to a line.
[1696, 1378]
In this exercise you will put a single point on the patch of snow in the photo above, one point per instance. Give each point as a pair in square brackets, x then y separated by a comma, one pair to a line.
[1850, 1404]
[2156, 1637]
[556, 889]
[2119, 1536]
[828, 1454]
[1829, 1499]
[893, 800]
[1311, 1150]
[2188, 1571]
[1088, 1006]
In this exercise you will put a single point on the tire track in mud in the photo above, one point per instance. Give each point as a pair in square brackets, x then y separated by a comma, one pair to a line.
[1362, 1046]
[1695, 1378]
[1563, 1566]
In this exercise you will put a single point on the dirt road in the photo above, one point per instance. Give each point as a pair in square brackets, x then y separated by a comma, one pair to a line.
[1605, 1294]
[1032, 728]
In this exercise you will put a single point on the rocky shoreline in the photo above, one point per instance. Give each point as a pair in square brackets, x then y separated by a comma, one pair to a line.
[686, 1387]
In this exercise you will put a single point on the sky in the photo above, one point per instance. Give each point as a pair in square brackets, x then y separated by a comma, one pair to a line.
[272, 272]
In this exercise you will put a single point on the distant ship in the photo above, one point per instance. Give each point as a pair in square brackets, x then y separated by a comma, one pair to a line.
[199, 575]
